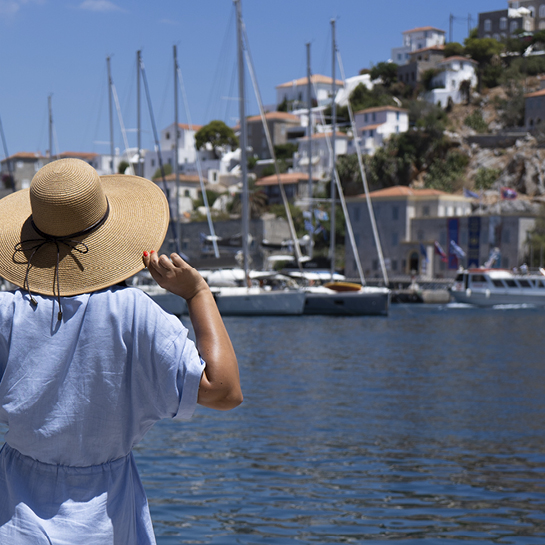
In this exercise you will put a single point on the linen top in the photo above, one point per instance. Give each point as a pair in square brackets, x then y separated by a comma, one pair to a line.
[76, 396]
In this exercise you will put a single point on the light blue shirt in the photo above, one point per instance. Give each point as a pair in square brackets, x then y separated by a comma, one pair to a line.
[76, 397]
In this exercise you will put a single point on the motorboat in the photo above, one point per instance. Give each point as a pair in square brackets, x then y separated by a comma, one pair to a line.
[490, 287]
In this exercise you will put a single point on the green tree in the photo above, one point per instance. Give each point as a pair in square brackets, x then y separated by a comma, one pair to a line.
[257, 201]
[218, 135]
[447, 173]
[427, 78]
[348, 169]
[453, 49]
[483, 51]
[386, 71]
[285, 151]
[512, 107]
[122, 167]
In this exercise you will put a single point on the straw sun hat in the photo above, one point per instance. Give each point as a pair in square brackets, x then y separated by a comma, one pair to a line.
[74, 231]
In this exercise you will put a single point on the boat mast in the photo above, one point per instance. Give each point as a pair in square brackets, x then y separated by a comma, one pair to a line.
[309, 134]
[111, 117]
[138, 116]
[8, 160]
[176, 144]
[333, 128]
[50, 110]
[243, 143]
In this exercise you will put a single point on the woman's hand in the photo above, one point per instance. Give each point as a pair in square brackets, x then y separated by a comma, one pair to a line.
[174, 274]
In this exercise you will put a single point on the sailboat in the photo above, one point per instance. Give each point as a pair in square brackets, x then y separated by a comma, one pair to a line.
[341, 298]
[248, 300]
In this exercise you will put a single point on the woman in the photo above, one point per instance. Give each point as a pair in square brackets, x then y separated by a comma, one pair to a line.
[88, 366]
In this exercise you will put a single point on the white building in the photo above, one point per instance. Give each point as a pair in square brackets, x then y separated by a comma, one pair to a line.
[375, 125]
[417, 38]
[453, 71]
[295, 92]
[187, 152]
[320, 150]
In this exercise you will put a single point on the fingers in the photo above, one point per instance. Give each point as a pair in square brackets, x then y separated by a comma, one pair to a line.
[178, 261]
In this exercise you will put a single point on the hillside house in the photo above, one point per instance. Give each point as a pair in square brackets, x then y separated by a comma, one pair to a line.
[23, 166]
[295, 186]
[320, 145]
[504, 23]
[295, 93]
[534, 108]
[448, 82]
[420, 61]
[187, 154]
[280, 125]
[416, 39]
[375, 125]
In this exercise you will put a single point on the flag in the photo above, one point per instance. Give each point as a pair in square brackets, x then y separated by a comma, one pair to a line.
[508, 194]
[320, 215]
[439, 251]
[307, 215]
[470, 194]
[309, 227]
[318, 229]
[493, 257]
[456, 250]
[423, 252]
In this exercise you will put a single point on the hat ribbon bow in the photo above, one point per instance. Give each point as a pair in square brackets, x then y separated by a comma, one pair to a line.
[68, 240]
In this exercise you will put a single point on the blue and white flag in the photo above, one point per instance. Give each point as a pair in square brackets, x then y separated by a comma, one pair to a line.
[320, 215]
[470, 194]
[456, 250]
[307, 214]
[439, 251]
[309, 227]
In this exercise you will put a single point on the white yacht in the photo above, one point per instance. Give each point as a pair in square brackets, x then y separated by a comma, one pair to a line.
[491, 287]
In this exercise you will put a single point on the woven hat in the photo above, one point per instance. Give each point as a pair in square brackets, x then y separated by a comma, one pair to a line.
[74, 231]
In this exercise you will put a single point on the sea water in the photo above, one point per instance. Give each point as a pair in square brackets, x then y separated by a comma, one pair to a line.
[425, 427]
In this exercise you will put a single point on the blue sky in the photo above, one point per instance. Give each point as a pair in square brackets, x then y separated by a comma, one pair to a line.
[59, 48]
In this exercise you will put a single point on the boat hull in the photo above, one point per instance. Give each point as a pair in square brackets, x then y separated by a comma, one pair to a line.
[263, 303]
[361, 303]
[492, 299]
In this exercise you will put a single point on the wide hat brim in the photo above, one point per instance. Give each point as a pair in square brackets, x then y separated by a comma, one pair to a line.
[137, 221]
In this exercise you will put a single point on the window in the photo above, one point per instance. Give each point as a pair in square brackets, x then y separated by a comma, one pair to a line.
[365, 118]
[532, 10]
[371, 133]
[540, 283]
[514, 26]
[498, 283]
[511, 283]
[478, 278]
[397, 116]
[186, 193]
[503, 23]
[541, 12]
[525, 284]
[487, 25]
[374, 116]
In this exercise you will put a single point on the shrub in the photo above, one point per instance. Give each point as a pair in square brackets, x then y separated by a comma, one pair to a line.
[485, 177]
[476, 122]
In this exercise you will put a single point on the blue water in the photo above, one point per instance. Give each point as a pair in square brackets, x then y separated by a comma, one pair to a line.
[426, 427]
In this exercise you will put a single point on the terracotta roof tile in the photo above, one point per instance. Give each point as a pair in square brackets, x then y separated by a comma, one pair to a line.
[458, 58]
[404, 191]
[77, 154]
[285, 179]
[315, 78]
[282, 116]
[420, 29]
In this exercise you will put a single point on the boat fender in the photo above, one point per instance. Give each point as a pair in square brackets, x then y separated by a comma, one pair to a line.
[468, 292]
[487, 294]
